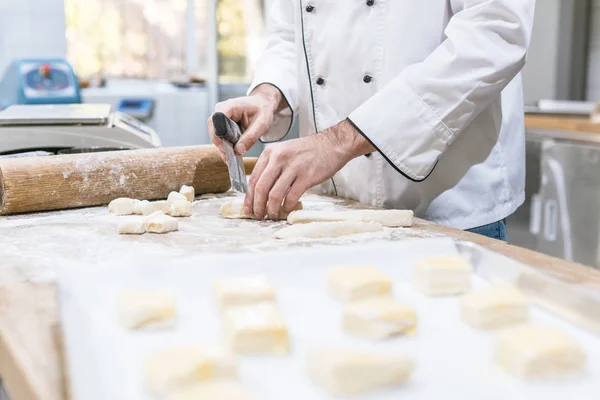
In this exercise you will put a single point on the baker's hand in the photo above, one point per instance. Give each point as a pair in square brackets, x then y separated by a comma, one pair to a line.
[254, 114]
[286, 170]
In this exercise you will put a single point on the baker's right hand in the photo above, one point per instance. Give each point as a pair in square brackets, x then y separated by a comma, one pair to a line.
[254, 114]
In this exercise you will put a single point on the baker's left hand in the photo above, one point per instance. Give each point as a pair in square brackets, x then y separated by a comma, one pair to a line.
[285, 171]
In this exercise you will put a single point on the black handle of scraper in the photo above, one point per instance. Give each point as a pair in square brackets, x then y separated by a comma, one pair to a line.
[225, 128]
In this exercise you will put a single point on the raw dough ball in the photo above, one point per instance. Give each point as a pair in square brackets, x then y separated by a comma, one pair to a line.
[379, 318]
[138, 206]
[348, 284]
[531, 352]
[256, 329]
[161, 224]
[243, 290]
[390, 218]
[439, 276]
[350, 372]
[219, 390]
[235, 209]
[175, 196]
[494, 307]
[132, 225]
[153, 206]
[121, 206]
[319, 230]
[179, 367]
[180, 208]
[188, 192]
[143, 307]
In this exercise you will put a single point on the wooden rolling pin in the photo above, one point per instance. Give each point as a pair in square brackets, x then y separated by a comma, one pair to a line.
[80, 180]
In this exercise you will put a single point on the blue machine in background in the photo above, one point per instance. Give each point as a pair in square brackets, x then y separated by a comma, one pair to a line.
[39, 81]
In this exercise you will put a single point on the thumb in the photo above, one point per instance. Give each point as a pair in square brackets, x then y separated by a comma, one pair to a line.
[254, 132]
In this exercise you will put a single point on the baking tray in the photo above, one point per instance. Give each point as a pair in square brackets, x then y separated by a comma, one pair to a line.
[453, 360]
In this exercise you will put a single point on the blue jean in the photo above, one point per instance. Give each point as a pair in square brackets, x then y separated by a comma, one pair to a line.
[496, 230]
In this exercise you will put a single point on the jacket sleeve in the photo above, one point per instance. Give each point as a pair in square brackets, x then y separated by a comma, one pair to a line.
[413, 119]
[277, 66]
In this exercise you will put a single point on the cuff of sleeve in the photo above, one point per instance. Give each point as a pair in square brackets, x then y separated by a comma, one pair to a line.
[404, 129]
[283, 120]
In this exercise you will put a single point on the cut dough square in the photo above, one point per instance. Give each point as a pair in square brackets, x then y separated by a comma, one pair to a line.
[320, 230]
[235, 209]
[439, 276]
[218, 390]
[389, 218]
[179, 367]
[153, 206]
[378, 318]
[536, 352]
[349, 372]
[180, 208]
[495, 307]
[121, 206]
[174, 197]
[144, 307]
[189, 192]
[132, 226]
[138, 206]
[348, 284]
[161, 224]
[256, 329]
[243, 290]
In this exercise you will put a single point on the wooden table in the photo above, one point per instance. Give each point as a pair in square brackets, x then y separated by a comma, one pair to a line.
[31, 363]
[561, 123]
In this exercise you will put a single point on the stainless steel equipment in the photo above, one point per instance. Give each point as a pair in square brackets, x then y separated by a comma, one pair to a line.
[64, 126]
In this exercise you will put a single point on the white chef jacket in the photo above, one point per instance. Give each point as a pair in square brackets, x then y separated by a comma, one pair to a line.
[434, 85]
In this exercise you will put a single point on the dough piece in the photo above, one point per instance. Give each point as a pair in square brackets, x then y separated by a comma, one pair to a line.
[534, 352]
[161, 224]
[178, 367]
[320, 230]
[132, 226]
[219, 390]
[379, 318]
[174, 197]
[138, 206]
[349, 372]
[143, 307]
[153, 206]
[440, 276]
[121, 206]
[243, 290]
[180, 208]
[188, 192]
[389, 218]
[494, 307]
[256, 329]
[235, 209]
[348, 284]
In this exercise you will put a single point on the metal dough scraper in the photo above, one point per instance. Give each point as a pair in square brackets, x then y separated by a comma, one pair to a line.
[230, 132]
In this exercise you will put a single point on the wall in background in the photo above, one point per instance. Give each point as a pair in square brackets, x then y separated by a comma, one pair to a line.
[593, 83]
[540, 72]
[31, 28]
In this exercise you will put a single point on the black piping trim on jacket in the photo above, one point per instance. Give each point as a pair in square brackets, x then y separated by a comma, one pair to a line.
[387, 159]
[289, 106]
[312, 97]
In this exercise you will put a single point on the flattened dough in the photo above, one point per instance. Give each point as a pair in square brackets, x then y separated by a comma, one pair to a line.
[180, 208]
[243, 290]
[379, 318]
[189, 192]
[218, 390]
[121, 206]
[535, 352]
[178, 367]
[348, 284]
[389, 218]
[441, 276]
[350, 372]
[494, 307]
[161, 224]
[144, 307]
[235, 209]
[132, 226]
[318, 230]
